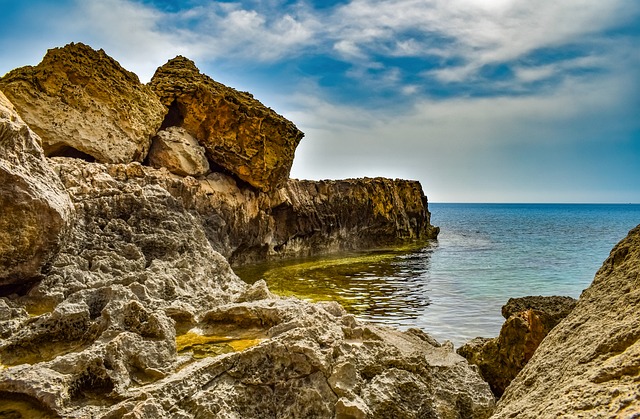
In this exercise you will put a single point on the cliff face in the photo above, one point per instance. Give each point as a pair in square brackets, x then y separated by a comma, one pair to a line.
[138, 317]
[589, 364]
[130, 312]
[301, 219]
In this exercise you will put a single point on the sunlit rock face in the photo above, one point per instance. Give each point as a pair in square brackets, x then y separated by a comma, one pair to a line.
[82, 103]
[528, 321]
[139, 314]
[135, 312]
[589, 364]
[35, 210]
[240, 134]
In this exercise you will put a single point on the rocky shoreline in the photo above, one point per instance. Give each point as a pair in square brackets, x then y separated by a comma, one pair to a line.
[123, 208]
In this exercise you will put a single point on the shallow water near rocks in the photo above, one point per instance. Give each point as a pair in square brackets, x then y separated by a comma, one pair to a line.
[208, 343]
[454, 287]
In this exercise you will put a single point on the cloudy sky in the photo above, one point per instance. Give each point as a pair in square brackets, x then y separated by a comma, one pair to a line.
[480, 100]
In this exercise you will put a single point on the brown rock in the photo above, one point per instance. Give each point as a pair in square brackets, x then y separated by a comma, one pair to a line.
[589, 364]
[35, 210]
[240, 134]
[529, 320]
[82, 103]
[176, 150]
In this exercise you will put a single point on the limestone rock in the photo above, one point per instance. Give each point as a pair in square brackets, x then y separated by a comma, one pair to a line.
[304, 218]
[240, 134]
[139, 275]
[179, 152]
[589, 364]
[35, 209]
[528, 321]
[82, 103]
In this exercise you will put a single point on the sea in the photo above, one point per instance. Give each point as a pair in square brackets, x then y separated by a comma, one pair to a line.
[453, 288]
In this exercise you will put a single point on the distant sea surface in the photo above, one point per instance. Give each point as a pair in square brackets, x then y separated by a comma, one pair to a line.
[454, 287]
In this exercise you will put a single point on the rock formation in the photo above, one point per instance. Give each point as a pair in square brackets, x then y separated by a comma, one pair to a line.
[82, 103]
[303, 218]
[176, 150]
[138, 317]
[240, 134]
[528, 321]
[589, 365]
[35, 210]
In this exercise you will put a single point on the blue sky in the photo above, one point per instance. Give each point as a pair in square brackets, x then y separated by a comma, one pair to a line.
[480, 100]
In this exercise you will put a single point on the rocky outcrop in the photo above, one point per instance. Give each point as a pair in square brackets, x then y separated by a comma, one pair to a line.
[528, 321]
[240, 134]
[588, 366]
[140, 317]
[303, 218]
[35, 210]
[82, 103]
[176, 150]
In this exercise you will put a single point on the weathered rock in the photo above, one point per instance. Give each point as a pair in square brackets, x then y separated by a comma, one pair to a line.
[82, 103]
[303, 218]
[528, 321]
[588, 366]
[175, 149]
[35, 210]
[139, 268]
[319, 362]
[240, 134]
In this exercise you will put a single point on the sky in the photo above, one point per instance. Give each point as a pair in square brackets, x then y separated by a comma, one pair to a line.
[479, 100]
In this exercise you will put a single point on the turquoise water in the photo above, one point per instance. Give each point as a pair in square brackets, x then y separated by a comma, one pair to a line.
[487, 253]
[455, 287]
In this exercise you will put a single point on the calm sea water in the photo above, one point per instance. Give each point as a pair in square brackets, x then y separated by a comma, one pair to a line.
[454, 288]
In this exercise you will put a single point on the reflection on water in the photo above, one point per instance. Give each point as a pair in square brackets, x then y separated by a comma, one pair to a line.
[386, 286]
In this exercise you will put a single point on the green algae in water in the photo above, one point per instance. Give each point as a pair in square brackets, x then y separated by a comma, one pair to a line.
[385, 286]
[203, 344]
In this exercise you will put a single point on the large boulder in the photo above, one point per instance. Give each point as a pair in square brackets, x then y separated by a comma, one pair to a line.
[176, 150]
[588, 366]
[35, 210]
[528, 321]
[82, 103]
[240, 134]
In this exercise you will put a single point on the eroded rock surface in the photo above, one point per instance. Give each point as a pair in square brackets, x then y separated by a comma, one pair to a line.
[303, 218]
[97, 337]
[35, 210]
[528, 321]
[588, 366]
[82, 103]
[175, 149]
[240, 134]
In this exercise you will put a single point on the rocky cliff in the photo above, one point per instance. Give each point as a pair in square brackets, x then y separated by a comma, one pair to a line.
[589, 364]
[116, 303]
[138, 317]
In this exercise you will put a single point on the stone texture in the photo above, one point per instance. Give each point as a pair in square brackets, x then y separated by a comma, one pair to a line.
[528, 321]
[588, 366]
[240, 134]
[175, 149]
[98, 336]
[35, 209]
[304, 218]
[82, 103]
